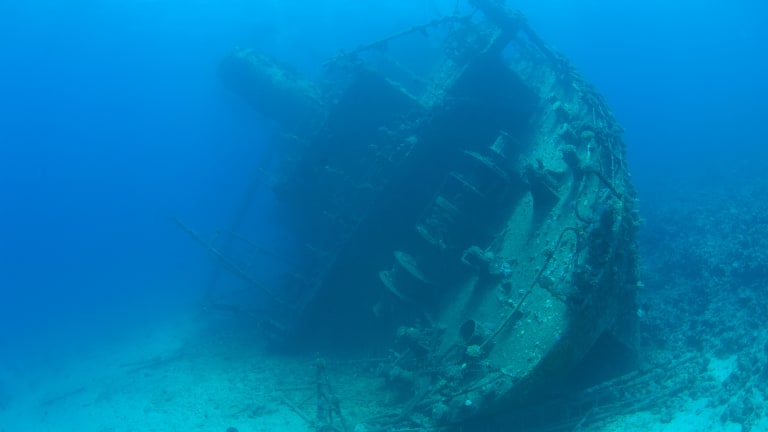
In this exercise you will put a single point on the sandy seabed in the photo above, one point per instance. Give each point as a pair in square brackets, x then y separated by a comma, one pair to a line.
[172, 379]
[184, 377]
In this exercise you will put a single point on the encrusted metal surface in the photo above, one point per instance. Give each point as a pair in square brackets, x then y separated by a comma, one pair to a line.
[465, 205]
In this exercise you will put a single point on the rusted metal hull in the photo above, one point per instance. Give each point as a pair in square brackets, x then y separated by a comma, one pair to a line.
[472, 213]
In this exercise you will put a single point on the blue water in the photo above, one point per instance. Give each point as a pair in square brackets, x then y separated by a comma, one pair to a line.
[685, 78]
[112, 122]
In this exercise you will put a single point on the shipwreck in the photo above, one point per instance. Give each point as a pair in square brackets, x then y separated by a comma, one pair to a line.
[463, 203]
